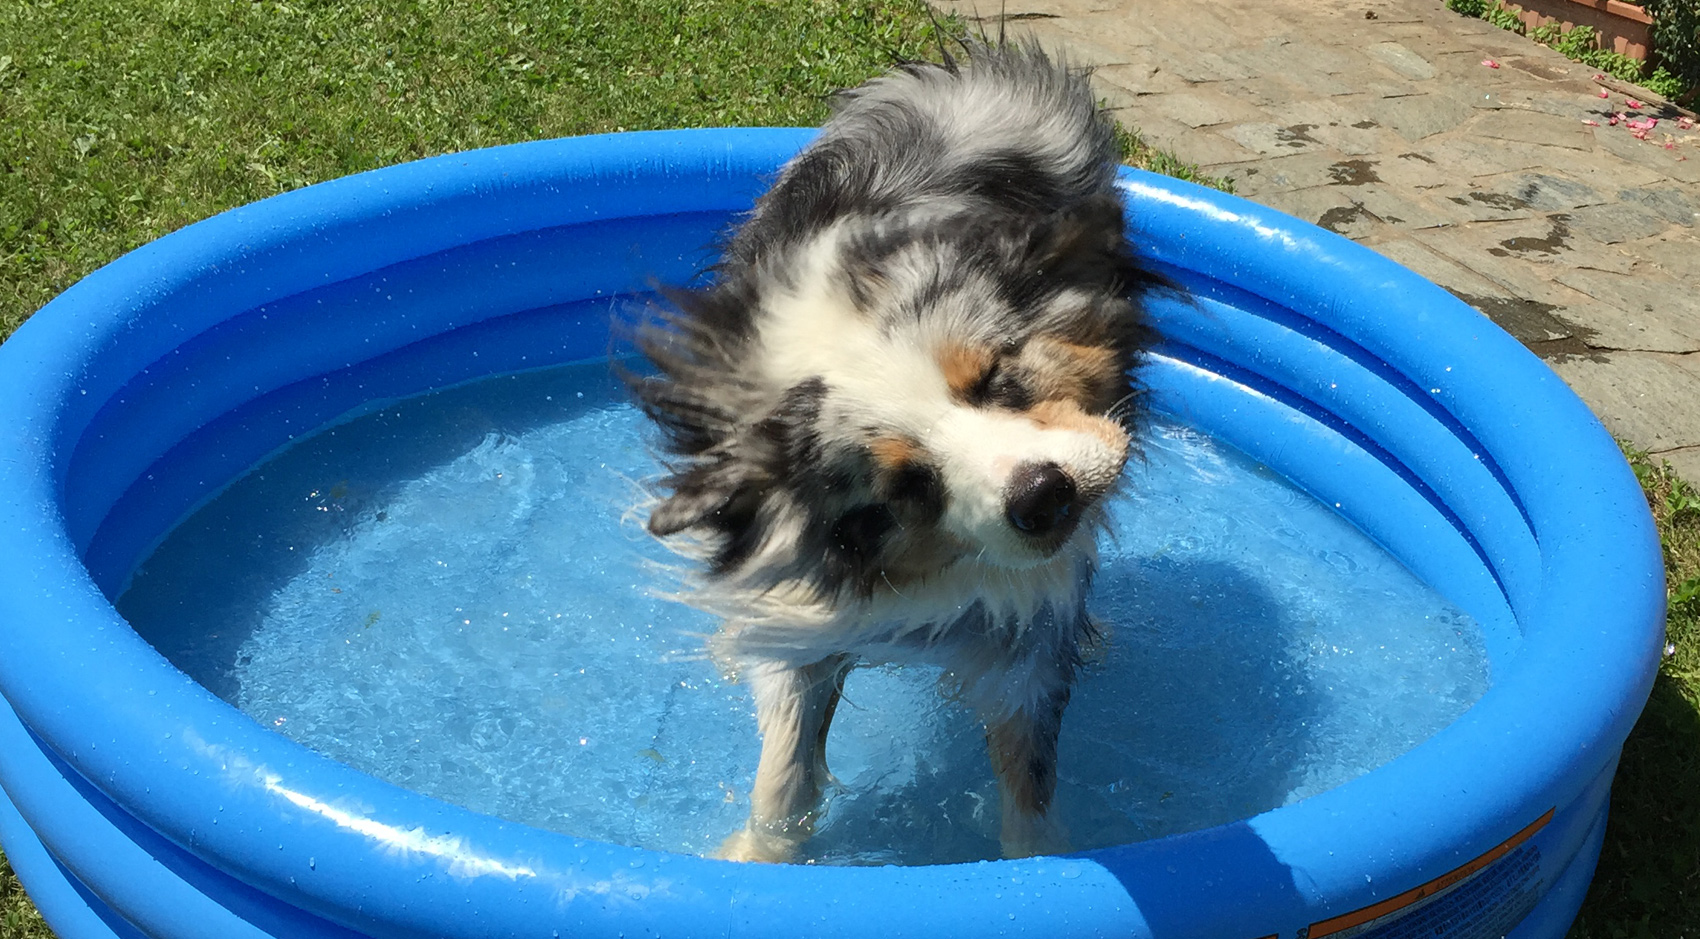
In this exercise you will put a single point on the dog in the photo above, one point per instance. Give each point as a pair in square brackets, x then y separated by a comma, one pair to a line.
[893, 418]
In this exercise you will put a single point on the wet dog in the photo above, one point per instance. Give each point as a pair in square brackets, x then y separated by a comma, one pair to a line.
[893, 419]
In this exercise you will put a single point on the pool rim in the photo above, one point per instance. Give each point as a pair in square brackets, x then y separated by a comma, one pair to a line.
[56, 617]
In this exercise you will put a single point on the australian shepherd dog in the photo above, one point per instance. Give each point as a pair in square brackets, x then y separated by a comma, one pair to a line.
[892, 420]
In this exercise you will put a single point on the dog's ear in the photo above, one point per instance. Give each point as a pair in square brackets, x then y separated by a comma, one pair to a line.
[724, 490]
[1080, 241]
[700, 494]
[684, 508]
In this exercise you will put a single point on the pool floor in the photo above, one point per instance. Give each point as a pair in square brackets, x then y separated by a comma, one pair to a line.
[453, 593]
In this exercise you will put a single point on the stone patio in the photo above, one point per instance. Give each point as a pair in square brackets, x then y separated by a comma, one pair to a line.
[1378, 120]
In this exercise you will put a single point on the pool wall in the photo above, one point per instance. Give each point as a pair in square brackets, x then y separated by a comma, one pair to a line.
[138, 804]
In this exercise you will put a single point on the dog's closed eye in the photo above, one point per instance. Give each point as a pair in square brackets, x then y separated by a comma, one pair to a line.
[1003, 386]
[905, 476]
[982, 377]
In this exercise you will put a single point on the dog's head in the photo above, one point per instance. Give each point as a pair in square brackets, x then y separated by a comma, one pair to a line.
[900, 393]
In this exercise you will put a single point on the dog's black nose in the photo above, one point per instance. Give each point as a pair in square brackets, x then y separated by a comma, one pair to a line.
[1042, 498]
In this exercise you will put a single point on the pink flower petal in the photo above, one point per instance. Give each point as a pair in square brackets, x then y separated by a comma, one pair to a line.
[1633, 104]
[1490, 63]
[1604, 93]
[1669, 145]
[1592, 123]
[1599, 76]
[1613, 120]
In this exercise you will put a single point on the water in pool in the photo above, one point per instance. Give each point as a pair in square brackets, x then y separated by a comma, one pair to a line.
[450, 593]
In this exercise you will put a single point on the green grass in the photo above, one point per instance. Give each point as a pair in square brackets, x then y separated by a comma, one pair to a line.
[1648, 882]
[122, 122]
[1581, 44]
[18, 917]
[1136, 152]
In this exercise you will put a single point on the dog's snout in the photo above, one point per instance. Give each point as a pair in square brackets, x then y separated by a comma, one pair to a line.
[1042, 499]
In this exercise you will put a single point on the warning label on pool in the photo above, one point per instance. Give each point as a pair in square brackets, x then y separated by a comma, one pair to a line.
[1483, 899]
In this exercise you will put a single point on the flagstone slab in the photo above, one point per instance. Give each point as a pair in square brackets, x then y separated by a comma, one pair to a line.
[1618, 222]
[1545, 130]
[1417, 116]
[1207, 147]
[1203, 108]
[1639, 312]
[1685, 461]
[1669, 203]
[1379, 121]
[1676, 253]
[1300, 171]
[1401, 60]
[1648, 398]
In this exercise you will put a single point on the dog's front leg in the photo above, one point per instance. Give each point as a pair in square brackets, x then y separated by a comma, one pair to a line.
[1023, 748]
[794, 708]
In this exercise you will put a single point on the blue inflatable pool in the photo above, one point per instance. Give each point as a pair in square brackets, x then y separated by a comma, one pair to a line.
[138, 804]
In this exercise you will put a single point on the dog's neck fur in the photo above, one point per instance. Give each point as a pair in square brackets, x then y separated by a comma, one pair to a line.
[993, 615]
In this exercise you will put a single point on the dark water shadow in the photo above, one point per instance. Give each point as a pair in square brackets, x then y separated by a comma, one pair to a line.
[1190, 717]
[1648, 880]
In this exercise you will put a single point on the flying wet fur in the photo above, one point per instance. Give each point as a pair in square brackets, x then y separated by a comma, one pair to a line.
[893, 419]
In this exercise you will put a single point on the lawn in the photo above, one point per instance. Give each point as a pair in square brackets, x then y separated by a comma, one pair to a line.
[1648, 882]
[120, 122]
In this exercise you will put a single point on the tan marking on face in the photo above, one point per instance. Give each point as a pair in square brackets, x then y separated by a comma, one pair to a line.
[963, 366]
[894, 453]
[1065, 414]
[1060, 369]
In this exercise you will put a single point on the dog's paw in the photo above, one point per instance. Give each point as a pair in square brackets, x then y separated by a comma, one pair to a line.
[747, 845]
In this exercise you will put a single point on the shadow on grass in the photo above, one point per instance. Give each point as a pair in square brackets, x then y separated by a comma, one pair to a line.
[1648, 882]
[18, 917]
